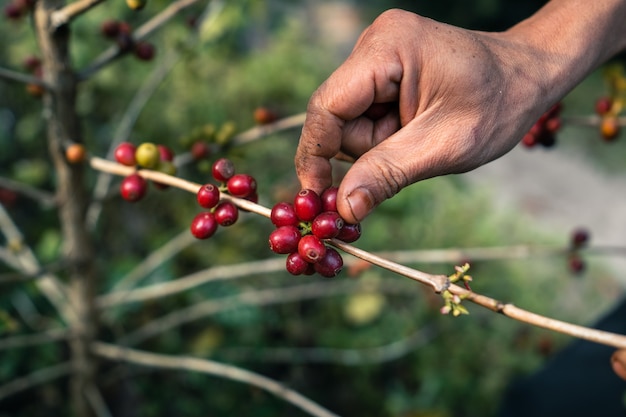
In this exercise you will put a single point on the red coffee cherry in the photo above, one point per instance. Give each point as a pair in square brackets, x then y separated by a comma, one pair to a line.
[125, 154]
[307, 204]
[350, 232]
[166, 153]
[133, 188]
[285, 239]
[241, 185]
[208, 196]
[330, 264]
[144, 51]
[580, 237]
[311, 248]
[283, 214]
[329, 199]
[327, 225]
[603, 105]
[204, 225]
[297, 265]
[223, 169]
[226, 213]
[200, 150]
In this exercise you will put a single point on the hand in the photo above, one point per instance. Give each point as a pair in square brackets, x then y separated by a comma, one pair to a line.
[618, 362]
[418, 98]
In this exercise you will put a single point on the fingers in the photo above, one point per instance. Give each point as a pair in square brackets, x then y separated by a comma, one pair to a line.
[618, 362]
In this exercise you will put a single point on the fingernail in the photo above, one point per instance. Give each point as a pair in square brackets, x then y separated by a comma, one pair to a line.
[361, 202]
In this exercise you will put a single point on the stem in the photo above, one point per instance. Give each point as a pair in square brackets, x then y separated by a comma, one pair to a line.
[205, 366]
[438, 283]
[71, 11]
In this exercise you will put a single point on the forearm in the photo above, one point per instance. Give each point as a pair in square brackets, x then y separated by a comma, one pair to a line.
[571, 38]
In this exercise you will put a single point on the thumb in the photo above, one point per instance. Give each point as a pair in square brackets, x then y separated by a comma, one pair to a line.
[618, 362]
[379, 174]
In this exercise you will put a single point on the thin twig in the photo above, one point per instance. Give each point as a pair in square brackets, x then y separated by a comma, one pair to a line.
[21, 341]
[589, 121]
[258, 132]
[346, 357]
[34, 379]
[439, 283]
[72, 10]
[99, 406]
[188, 363]
[156, 258]
[265, 297]
[11, 75]
[112, 53]
[216, 273]
[48, 284]
[46, 199]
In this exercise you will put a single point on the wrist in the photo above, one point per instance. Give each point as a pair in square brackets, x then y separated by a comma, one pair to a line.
[567, 39]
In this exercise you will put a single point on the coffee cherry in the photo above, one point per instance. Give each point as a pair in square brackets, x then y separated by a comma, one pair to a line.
[226, 213]
[603, 105]
[75, 153]
[327, 225]
[609, 128]
[147, 155]
[579, 238]
[241, 185]
[329, 199]
[576, 264]
[283, 214]
[133, 187]
[136, 4]
[311, 248]
[125, 41]
[125, 154]
[110, 29]
[144, 51]
[330, 264]
[350, 232]
[13, 11]
[223, 169]
[200, 150]
[264, 115]
[165, 153]
[285, 239]
[32, 63]
[203, 226]
[208, 196]
[297, 265]
[307, 205]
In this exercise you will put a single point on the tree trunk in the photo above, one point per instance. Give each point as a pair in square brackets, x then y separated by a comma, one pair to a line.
[63, 125]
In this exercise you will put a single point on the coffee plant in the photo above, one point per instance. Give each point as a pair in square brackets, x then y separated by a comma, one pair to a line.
[151, 243]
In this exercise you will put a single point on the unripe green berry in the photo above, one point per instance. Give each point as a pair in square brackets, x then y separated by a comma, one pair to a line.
[148, 155]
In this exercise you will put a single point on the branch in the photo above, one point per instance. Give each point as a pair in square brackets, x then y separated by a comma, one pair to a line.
[265, 130]
[68, 13]
[46, 199]
[48, 284]
[21, 341]
[142, 32]
[589, 121]
[188, 363]
[317, 289]
[438, 283]
[38, 377]
[346, 357]
[21, 77]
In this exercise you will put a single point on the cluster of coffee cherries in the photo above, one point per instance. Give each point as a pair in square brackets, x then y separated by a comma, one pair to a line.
[302, 228]
[121, 33]
[220, 212]
[544, 130]
[146, 155]
[608, 109]
[579, 239]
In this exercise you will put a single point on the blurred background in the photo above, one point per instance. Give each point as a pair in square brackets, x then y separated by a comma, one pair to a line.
[368, 343]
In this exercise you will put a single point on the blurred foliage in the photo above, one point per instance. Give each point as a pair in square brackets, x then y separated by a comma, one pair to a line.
[265, 53]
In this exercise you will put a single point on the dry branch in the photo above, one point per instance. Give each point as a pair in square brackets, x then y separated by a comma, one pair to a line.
[71, 11]
[8, 74]
[38, 377]
[188, 363]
